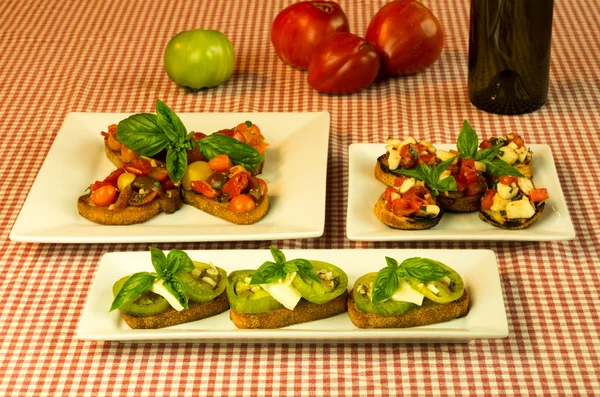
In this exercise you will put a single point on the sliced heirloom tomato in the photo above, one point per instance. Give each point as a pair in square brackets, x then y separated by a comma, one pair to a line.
[246, 298]
[538, 195]
[141, 199]
[158, 173]
[138, 166]
[205, 189]
[104, 196]
[236, 185]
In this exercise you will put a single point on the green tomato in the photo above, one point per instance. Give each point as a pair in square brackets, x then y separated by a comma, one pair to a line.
[199, 59]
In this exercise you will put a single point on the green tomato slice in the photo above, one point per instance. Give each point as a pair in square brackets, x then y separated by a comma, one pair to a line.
[204, 283]
[363, 289]
[334, 281]
[449, 288]
[246, 298]
[147, 304]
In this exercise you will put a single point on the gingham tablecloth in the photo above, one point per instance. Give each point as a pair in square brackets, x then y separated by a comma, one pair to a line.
[60, 56]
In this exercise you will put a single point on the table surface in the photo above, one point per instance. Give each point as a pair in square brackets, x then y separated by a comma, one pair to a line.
[61, 56]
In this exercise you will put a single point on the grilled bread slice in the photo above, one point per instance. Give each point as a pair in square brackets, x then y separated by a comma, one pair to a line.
[404, 222]
[429, 313]
[457, 202]
[221, 209]
[382, 171]
[196, 311]
[304, 312]
[496, 218]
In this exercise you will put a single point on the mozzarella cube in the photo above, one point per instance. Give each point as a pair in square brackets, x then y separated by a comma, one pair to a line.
[520, 209]
[525, 184]
[508, 154]
[445, 155]
[407, 184]
[393, 159]
[522, 153]
[498, 203]
[507, 191]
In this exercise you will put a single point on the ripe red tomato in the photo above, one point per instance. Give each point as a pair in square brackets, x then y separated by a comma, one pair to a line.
[407, 35]
[242, 203]
[104, 196]
[299, 28]
[343, 63]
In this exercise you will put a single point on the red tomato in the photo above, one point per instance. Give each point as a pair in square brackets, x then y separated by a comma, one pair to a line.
[235, 185]
[516, 139]
[343, 63]
[488, 199]
[194, 154]
[507, 180]
[138, 166]
[242, 203]
[537, 195]
[404, 207]
[299, 28]
[250, 132]
[407, 35]
[220, 163]
[109, 180]
[128, 154]
[203, 188]
[167, 183]
[158, 173]
[399, 180]
[104, 196]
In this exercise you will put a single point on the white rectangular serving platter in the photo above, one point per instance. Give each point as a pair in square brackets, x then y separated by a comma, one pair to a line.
[295, 170]
[364, 190]
[479, 269]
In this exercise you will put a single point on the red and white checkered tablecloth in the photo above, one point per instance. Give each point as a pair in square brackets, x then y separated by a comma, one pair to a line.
[61, 56]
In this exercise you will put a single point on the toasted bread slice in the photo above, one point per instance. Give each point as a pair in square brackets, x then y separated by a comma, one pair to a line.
[382, 171]
[494, 218]
[196, 311]
[429, 313]
[304, 312]
[131, 214]
[221, 209]
[403, 222]
[456, 202]
[113, 155]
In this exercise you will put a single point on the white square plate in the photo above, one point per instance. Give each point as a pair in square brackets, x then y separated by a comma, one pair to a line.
[295, 170]
[364, 190]
[479, 269]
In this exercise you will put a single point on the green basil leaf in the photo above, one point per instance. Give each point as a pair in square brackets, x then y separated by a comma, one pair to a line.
[239, 153]
[416, 173]
[499, 167]
[175, 287]
[176, 163]
[159, 261]
[447, 184]
[424, 269]
[487, 154]
[391, 262]
[277, 255]
[267, 272]
[141, 133]
[467, 141]
[290, 267]
[135, 285]
[178, 262]
[170, 123]
[385, 284]
[306, 268]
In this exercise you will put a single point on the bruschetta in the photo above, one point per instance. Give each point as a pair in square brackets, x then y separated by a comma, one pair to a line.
[512, 150]
[513, 203]
[471, 184]
[408, 207]
[403, 154]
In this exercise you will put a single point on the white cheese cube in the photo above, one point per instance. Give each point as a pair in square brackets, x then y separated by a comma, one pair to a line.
[519, 209]
[498, 203]
[393, 159]
[429, 210]
[508, 154]
[507, 191]
[445, 155]
[513, 146]
[525, 184]
[407, 184]
[522, 153]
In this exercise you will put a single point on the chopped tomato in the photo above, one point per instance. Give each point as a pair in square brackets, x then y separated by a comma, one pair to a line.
[538, 195]
[194, 154]
[226, 131]
[250, 132]
[104, 196]
[138, 166]
[167, 183]
[399, 180]
[158, 173]
[261, 147]
[242, 203]
[264, 188]
[196, 136]
[235, 185]
[387, 194]
[474, 189]
[128, 154]
[485, 144]
[404, 207]
[203, 188]
[113, 142]
[408, 157]
[507, 180]
[488, 199]
[516, 139]
[418, 194]
[220, 163]
[109, 180]
[235, 169]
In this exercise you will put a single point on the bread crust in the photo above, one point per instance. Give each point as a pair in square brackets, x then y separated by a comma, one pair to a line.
[113, 155]
[382, 171]
[457, 202]
[196, 311]
[221, 209]
[512, 224]
[403, 222]
[304, 312]
[131, 214]
[429, 313]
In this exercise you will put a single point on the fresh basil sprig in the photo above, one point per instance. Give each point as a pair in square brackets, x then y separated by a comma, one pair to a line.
[467, 144]
[387, 279]
[431, 176]
[147, 134]
[166, 268]
[273, 271]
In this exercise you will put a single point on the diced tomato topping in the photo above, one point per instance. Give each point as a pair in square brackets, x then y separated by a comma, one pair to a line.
[111, 180]
[387, 194]
[196, 136]
[261, 147]
[167, 183]
[488, 199]
[485, 144]
[220, 163]
[138, 166]
[104, 196]
[226, 131]
[404, 207]
[507, 180]
[399, 180]
[158, 173]
[242, 203]
[128, 154]
[474, 189]
[538, 195]
[203, 188]
[235, 185]
[516, 139]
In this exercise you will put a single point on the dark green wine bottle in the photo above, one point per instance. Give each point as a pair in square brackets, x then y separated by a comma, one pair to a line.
[509, 54]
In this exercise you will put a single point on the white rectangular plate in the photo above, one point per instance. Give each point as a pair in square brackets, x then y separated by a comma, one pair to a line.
[295, 170]
[486, 317]
[364, 190]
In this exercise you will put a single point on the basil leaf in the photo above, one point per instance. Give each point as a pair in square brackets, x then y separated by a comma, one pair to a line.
[385, 284]
[306, 268]
[141, 133]
[175, 287]
[267, 272]
[391, 262]
[170, 123]
[416, 173]
[447, 184]
[290, 267]
[487, 154]
[135, 285]
[499, 167]
[467, 141]
[239, 153]
[277, 255]
[178, 262]
[424, 269]
[159, 261]
[176, 163]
